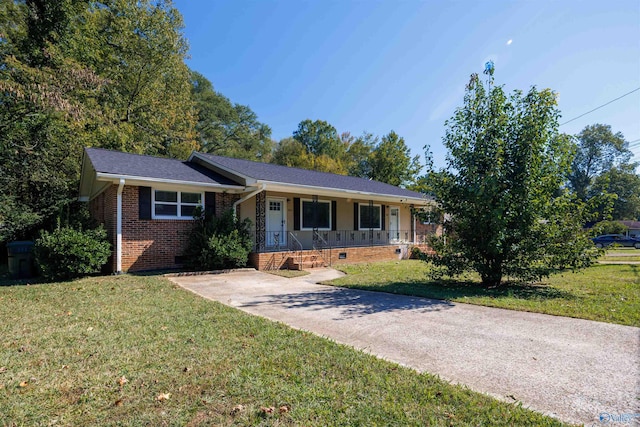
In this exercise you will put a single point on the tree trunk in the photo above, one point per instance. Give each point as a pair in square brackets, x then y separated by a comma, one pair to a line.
[491, 274]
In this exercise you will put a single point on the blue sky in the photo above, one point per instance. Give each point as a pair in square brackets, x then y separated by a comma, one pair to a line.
[378, 66]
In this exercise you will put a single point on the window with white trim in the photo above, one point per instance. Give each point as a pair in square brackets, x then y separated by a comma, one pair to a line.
[315, 215]
[175, 204]
[370, 217]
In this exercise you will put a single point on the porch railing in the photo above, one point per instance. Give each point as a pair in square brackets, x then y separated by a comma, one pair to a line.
[305, 239]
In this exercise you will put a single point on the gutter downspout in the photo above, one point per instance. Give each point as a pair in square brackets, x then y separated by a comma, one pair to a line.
[119, 227]
[245, 198]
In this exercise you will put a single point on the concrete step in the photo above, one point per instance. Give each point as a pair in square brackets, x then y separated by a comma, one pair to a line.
[307, 262]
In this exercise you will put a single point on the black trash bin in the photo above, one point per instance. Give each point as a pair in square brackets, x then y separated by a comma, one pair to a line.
[20, 259]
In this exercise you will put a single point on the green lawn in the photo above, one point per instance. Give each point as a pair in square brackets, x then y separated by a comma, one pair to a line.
[621, 255]
[133, 350]
[607, 293]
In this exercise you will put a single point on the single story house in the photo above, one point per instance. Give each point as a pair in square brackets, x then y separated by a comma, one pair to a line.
[300, 217]
[633, 228]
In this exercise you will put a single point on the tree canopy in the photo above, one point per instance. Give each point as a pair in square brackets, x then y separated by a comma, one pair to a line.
[598, 150]
[316, 145]
[603, 175]
[391, 161]
[503, 188]
[225, 128]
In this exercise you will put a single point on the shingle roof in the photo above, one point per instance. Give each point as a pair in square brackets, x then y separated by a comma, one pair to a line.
[119, 163]
[631, 224]
[289, 175]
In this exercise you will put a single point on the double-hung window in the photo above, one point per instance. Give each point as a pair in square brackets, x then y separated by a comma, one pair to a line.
[316, 215]
[370, 217]
[175, 204]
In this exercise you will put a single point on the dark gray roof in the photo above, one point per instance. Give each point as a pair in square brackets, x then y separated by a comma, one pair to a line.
[289, 175]
[119, 163]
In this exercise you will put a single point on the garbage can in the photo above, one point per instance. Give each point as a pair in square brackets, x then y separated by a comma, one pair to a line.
[20, 259]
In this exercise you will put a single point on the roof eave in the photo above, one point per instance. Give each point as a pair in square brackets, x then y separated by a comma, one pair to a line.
[137, 180]
[335, 192]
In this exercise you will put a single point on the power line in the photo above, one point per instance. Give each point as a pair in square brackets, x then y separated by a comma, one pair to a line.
[603, 105]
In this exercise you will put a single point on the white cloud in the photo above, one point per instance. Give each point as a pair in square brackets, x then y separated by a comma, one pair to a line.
[509, 42]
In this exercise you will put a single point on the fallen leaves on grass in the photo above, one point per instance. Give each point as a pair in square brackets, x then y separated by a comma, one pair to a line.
[118, 402]
[237, 409]
[122, 381]
[267, 410]
[283, 409]
[24, 384]
[3, 369]
[163, 396]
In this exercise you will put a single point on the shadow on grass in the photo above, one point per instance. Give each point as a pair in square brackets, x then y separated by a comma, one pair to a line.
[351, 303]
[456, 289]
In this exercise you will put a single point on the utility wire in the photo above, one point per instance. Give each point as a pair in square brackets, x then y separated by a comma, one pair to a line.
[603, 105]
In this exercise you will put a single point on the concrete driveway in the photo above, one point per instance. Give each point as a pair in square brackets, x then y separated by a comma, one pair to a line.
[571, 369]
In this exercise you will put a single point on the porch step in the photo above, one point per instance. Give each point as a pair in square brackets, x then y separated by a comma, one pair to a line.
[307, 262]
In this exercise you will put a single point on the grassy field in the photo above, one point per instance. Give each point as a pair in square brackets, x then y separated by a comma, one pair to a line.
[607, 293]
[621, 255]
[133, 350]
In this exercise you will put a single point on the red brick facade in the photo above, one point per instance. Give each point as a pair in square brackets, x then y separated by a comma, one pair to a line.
[156, 243]
[146, 244]
[335, 256]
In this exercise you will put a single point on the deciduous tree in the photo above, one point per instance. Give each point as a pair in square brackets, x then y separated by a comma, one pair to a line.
[502, 188]
[391, 162]
[228, 129]
[598, 149]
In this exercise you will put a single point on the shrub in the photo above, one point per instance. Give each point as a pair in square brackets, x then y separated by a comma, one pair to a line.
[66, 253]
[608, 227]
[219, 242]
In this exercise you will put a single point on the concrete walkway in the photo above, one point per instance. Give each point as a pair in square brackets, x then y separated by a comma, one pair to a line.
[571, 369]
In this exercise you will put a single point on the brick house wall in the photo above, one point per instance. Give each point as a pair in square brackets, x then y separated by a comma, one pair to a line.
[146, 244]
[352, 255]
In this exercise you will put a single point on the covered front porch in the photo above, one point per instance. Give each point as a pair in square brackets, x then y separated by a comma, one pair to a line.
[293, 230]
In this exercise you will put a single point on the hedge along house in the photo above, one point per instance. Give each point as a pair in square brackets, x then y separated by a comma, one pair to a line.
[300, 218]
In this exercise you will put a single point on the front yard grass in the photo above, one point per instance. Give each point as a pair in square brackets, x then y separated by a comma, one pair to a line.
[621, 255]
[132, 350]
[607, 293]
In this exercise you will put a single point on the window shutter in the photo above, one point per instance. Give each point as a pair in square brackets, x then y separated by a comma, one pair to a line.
[382, 218]
[209, 204]
[144, 202]
[334, 215]
[296, 213]
[355, 216]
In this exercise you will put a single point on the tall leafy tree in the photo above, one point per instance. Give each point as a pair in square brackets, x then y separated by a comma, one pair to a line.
[139, 49]
[291, 152]
[502, 188]
[598, 150]
[75, 73]
[358, 153]
[319, 138]
[228, 129]
[391, 161]
[42, 116]
[623, 182]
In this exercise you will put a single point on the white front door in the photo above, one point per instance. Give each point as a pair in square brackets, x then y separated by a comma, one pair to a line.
[394, 223]
[276, 222]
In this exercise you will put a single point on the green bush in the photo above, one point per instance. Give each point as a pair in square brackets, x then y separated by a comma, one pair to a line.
[66, 253]
[608, 227]
[219, 242]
